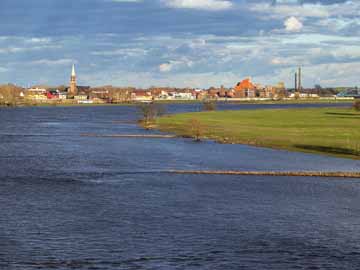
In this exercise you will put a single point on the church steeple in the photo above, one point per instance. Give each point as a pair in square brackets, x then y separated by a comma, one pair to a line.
[73, 71]
[73, 87]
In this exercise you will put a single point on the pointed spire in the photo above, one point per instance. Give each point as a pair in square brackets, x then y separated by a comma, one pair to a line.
[73, 71]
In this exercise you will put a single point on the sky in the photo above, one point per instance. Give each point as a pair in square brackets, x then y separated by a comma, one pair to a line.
[181, 43]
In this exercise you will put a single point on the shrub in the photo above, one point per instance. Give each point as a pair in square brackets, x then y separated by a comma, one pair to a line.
[197, 129]
[148, 113]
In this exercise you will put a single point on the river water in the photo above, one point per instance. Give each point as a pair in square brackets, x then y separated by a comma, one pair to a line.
[73, 202]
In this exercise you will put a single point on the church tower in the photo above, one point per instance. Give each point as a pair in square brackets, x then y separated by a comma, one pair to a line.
[73, 87]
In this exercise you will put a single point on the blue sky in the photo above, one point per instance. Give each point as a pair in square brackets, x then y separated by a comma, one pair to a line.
[196, 43]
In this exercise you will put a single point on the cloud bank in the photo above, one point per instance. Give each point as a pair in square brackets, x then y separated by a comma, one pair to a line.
[198, 43]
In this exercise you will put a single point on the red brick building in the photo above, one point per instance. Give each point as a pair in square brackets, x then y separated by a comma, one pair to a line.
[245, 89]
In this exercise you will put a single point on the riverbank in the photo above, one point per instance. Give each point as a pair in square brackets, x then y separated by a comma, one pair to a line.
[56, 103]
[330, 131]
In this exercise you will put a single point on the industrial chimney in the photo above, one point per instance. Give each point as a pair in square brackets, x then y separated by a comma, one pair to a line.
[299, 80]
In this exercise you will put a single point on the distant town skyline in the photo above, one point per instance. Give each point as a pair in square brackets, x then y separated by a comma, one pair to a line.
[180, 43]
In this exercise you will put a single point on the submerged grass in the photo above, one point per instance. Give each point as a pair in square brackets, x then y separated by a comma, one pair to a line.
[330, 131]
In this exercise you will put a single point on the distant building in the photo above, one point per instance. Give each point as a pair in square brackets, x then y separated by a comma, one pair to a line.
[303, 95]
[183, 95]
[81, 97]
[85, 101]
[212, 93]
[200, 94]
[72, 91]
[36, 94]
[160, 94]
[52, 94]
[351, 92]
[62, 95]
[245, 89]
[141, 95]
[225, 92]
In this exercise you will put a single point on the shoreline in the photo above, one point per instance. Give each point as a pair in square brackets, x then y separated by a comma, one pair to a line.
[220, 101]
[145, 136]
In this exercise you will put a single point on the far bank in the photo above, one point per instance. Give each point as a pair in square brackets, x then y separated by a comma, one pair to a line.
[71, 103]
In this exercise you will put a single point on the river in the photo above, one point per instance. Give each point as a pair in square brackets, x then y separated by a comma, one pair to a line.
[75, 202]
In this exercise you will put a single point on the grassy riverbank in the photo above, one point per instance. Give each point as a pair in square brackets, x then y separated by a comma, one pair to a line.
[329, 131]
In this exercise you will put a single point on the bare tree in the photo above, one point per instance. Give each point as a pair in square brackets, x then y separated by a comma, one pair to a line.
[120, 95]
[9, 94]
[149, 112]
[197, 129]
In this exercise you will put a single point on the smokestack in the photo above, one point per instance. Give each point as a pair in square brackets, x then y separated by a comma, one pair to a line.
[296, 84]
[299, 79]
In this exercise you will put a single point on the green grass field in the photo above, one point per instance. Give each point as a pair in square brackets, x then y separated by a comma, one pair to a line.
[329, 131]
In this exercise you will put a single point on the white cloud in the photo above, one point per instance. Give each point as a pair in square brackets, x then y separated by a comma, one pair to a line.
[331, 74]
[349, 8]
[306, 10]
[176, 64]
[146, 79]
[204, 60]
[260, 56]
[213, 5]
[57, 62]
[317, 39]
[27, 49]
[165, 67]
[127, 52]
[279, 61]
[341, 25]
[292, 24]
[12, 50]
[38, 40]
[2, 69]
